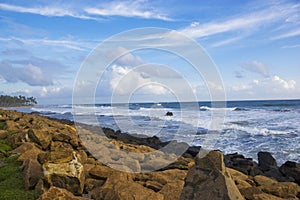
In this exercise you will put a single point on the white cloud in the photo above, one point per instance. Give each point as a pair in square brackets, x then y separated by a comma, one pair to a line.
[51, 11]
[30, 74]
[273, 87]
[115, 8]
[292, 33]
[127, 9]
[125, 81]
[246, 24]
[288, 85]
[256, 67]
[127, 58]
[236, 23]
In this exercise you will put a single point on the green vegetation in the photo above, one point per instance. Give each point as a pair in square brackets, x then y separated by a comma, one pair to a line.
[9, 101]
[4, 147]
[2, 125]
[10, 132]
[11, 181]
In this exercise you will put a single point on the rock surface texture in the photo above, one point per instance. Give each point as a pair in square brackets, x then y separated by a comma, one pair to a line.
[61, 165]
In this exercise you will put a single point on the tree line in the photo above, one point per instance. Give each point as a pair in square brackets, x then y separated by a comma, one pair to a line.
[14, 101]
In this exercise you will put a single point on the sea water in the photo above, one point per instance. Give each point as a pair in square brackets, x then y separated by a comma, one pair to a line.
[247, 127]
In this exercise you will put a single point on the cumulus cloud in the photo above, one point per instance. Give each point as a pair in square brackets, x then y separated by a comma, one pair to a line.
[273, 87]
[30, 74]
[125, 81]
[256, 67]
[127, 58]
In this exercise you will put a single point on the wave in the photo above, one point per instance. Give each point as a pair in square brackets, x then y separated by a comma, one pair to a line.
[206, 108]
[282, 110]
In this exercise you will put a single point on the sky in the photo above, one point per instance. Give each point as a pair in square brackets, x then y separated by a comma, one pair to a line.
[254, 45]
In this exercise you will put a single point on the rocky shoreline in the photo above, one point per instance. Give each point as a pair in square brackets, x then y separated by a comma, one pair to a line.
[56, 164]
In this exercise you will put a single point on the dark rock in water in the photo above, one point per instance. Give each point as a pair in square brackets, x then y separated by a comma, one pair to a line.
[169, 113]
[209, 179]
[245, 165]
[268, 165]
[266, 161]
[291, 169]
[192, 151]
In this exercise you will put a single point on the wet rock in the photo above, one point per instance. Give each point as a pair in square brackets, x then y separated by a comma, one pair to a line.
[55, 193]
[32, 173]
[209, 179]
[291, 169]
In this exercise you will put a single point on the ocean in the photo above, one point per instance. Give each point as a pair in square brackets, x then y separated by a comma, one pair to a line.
[247, 127]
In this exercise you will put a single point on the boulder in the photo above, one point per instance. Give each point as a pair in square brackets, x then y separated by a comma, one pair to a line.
[28, 150]
[245, 165]
[266, 161]
[40, 136]
[56, 156]
[32, 173]
[55, 193]
[3, 134]
[124, 189]
[68, 175]
[291, 169]
[282, 189]
[209, 179]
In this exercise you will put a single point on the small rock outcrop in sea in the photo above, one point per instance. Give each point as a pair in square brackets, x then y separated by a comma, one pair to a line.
[169, 113]
[209, 179]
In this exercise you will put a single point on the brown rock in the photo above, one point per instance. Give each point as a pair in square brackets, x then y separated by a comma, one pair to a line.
[264, 181]
[56, 156]
[241, 180]
[32, 172]
[55, 193]
[18, 138]
[129, 190]
[3, 134]
[24, 147]
[91, 184]
[40, 136]
[68, 175]
[264, 196]
[30, 153]
[11, 125]
[282, 189]
[250, 192]
[67, 135]
[60, 146]
[209, 179]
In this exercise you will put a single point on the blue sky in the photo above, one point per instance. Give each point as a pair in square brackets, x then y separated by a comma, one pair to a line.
[254, 44]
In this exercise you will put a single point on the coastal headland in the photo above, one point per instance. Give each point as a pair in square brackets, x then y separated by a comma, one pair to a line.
[43, 158]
